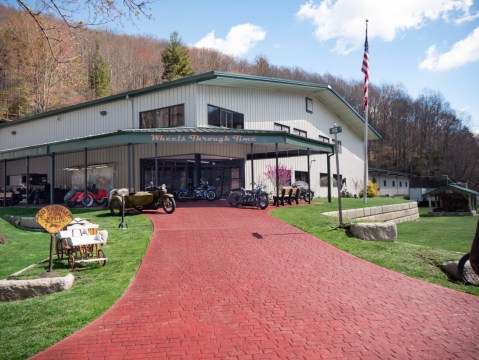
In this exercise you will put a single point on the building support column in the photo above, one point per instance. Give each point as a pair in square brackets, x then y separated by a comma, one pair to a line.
[52, 178]
[197, 172]
[277, 175]
[309, 175]
[252, 167]
[130, 182]
[27, 180]
[5, 183]
[156, 165]
[329, 176]
[86, 175]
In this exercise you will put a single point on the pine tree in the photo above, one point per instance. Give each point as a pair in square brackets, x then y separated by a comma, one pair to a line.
[176, 60]
[100, 77]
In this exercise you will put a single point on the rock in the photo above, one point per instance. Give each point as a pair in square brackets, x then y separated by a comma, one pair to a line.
[451, 268]
[11, 290]
[30, 223]
[385, 231]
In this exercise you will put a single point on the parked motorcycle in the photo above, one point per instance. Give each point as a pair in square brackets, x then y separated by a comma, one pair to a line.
[162, 198]
[199, 192]
[304, 192]
[256, 197]
[76, 197]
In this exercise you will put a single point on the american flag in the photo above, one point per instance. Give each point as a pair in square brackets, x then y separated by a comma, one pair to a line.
[365, 70]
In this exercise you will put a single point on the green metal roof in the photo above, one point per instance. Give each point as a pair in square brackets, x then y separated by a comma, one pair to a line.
[323, 92]
[200, 135]
[457, 189]
[388, 172]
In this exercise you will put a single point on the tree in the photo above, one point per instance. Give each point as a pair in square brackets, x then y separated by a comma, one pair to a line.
[98, 12]
[176, 60]
[99, 74]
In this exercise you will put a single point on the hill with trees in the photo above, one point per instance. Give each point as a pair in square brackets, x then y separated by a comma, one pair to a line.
[423, 136]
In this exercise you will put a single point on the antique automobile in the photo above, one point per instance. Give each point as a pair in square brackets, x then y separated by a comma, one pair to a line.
[152, 199]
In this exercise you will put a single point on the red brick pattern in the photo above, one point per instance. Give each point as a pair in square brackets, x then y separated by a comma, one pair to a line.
[225, 283]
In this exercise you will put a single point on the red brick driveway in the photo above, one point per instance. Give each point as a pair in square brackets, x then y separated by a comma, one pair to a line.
[219, 282]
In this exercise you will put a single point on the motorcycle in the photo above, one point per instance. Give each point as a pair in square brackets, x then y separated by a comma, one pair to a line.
[256, 197]
[162, 198]
[143, 200]
[304, 192]
[76, 197]
[199, 192]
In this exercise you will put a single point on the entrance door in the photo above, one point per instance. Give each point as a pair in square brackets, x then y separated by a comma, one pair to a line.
[177, 174]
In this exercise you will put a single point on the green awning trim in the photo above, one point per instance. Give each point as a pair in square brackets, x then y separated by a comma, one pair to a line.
[206, 135]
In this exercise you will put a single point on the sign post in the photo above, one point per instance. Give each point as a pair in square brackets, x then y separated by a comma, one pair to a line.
[335, 130]
[53, 218]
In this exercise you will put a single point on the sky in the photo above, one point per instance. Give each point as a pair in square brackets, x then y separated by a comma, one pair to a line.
[419, 44]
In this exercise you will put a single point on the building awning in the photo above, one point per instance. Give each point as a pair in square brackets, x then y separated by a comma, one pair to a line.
[178, 135]
[452, 189]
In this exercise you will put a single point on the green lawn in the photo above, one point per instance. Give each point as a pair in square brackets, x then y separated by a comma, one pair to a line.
[422, 246]
[29, 326]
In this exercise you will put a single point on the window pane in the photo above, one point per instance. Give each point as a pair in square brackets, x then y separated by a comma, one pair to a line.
[177, 116]
[238, 121]
[146, 119]
[162, 118]
[213, 116]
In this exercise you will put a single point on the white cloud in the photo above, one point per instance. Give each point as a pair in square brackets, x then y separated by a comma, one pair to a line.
[344, 20]
[240, 39]
[463, 52]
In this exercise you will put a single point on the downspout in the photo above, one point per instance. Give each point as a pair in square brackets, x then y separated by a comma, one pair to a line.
[309, 175]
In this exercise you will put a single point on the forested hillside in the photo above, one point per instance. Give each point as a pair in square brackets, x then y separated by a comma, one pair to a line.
[422, 135]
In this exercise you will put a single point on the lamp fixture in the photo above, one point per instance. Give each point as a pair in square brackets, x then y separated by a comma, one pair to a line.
[13, 132]
[103, 112]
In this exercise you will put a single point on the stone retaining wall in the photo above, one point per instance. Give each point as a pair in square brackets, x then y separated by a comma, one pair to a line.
[397, 213]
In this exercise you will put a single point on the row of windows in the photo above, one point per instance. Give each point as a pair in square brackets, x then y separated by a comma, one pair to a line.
[173, 116]
[394, 183]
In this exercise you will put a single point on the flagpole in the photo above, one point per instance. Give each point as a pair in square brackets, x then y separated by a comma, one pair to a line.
[365, 70]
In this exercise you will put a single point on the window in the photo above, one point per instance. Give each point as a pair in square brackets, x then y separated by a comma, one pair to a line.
[225, 118]
[384, 183]
[323, 179]
[394, 183]
[309, 105]
[300, 132]
[280, 127]
[335, 181]
[400, 184]
[405, 183]
[340, 146]
[323, 138]
[171, 116]
[301, 176]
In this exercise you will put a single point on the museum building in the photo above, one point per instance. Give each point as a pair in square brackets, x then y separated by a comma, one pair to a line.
[224, 128]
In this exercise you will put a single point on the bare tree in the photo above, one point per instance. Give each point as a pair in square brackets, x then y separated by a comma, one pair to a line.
[97, 12]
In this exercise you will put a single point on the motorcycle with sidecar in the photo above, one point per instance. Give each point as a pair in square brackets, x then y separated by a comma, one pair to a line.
[152, 198]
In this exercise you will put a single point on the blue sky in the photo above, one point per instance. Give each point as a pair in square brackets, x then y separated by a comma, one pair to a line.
[421, 44]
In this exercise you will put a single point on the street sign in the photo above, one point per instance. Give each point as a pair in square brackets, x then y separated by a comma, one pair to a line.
[335, 130]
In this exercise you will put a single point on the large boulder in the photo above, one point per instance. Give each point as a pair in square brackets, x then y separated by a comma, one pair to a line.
[384, 231]
[451, 268]
[22, 289]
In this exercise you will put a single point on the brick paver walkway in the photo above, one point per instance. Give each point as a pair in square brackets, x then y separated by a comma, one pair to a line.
[219, 282]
